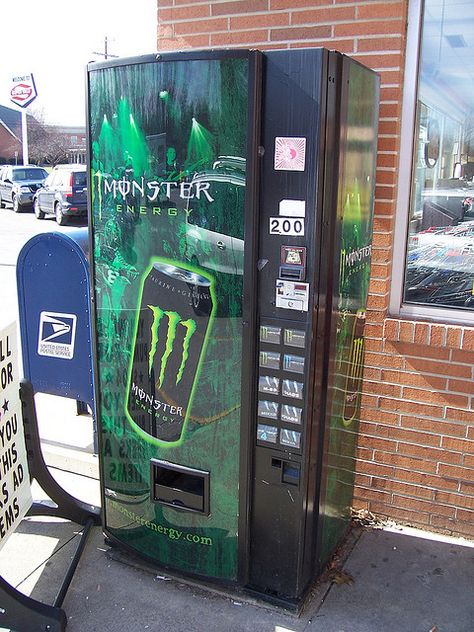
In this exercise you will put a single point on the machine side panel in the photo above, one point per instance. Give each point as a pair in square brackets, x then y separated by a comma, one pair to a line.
[351, 273]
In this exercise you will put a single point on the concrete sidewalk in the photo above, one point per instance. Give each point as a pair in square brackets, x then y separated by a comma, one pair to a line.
[402, 580]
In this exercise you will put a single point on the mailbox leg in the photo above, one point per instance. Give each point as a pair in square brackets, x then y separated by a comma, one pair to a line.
[63, 505]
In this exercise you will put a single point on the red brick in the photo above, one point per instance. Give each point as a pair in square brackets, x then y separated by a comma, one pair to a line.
[461, 386]
[375, 443]
[241, 6]
[373, 495]
[299, 33]
[458, 500]
[259, 21]
[464, 528]
[410, 407]
[362, 480]
[438, 335]
[365, 454]
[374, 469]
[468, 460]
[465, 514]
[456, 472]
[426, 480]
[388, 159]
[466, 416]
[201, 26]
[470, 433]
[380, 11]
[379, 62]
[402, 488]
[431, 454]
[323, 16]
[467, 488]
[409, 436]
[343, 46]
[294, 4]
[468, 339]
[193, 41]
[439, 368]
[423, 505]
[436, 427]
[404, 462]
[384, 193]
[183, 13]
[370, 414]
[433, 397]
[453, 337]
[389, 43]
[422, 351]
[414, 379]
[367, 28]
[467, 357]
[458, 445]
[404, 516]
[238, 37]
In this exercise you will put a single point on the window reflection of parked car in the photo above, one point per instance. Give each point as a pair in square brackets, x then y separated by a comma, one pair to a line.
[63, 194]
[214, 230]
[460, 236]
[18, 184]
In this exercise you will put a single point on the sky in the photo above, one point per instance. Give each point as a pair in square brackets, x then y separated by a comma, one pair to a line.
[55, 39]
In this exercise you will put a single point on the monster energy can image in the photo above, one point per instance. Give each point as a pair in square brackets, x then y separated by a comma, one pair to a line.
[172, 325]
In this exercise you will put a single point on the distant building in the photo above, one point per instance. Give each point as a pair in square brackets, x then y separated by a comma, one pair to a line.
[10, 135]
[76, 137]
[11, 138]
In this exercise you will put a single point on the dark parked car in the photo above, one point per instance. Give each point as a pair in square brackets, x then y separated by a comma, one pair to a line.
[63, 194]
[18, 184]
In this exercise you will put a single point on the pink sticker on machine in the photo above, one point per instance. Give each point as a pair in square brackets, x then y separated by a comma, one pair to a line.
[290, 154]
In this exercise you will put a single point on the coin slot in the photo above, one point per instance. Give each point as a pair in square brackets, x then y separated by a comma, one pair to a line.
[180, 487]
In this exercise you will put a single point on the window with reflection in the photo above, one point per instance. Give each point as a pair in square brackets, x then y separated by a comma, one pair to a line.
[440, 254]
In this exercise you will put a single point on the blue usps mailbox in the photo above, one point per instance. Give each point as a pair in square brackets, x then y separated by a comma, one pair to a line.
[53, 301]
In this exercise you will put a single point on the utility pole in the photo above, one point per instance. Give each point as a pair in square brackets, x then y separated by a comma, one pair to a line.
[106, 53]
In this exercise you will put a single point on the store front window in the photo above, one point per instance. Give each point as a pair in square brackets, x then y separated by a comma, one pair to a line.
[439, 267]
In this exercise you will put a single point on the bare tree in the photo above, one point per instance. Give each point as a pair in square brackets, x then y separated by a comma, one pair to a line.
[46, 145]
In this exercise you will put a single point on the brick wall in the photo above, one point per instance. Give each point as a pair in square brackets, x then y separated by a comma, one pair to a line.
[416, 449]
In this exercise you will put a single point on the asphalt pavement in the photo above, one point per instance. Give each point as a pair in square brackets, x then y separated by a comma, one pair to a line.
[389, 579]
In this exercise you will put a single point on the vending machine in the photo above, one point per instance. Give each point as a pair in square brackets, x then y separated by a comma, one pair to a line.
[231, 204]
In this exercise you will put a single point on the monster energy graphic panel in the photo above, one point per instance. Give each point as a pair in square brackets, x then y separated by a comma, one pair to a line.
[172, 324]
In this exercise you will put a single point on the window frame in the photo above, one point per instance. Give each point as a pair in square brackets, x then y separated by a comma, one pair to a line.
[397, 307]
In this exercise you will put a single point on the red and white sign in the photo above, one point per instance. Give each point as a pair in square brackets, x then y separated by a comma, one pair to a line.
[24, 91]
[290, 154]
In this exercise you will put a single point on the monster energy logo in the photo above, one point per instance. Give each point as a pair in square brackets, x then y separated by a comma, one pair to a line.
[354, 376]
[174, 320]
[348, 259]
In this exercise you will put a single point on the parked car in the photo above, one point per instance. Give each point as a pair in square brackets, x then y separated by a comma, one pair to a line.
[18, 184]
[214, 229]
[63, 194]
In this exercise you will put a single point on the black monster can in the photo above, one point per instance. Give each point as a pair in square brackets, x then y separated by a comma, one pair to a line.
[172, 325]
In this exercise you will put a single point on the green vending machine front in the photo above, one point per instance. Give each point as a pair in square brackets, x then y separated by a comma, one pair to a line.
[169, 143]
[231, 204]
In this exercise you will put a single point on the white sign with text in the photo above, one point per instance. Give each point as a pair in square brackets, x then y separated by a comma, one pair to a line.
[15, 492]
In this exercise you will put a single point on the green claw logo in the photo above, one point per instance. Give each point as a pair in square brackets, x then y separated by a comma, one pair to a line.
[174, 319]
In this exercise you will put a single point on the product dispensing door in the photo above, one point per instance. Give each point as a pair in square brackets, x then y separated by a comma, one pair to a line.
[231, 197]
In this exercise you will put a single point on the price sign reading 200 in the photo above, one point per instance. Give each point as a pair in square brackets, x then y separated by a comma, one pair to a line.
[287, 226]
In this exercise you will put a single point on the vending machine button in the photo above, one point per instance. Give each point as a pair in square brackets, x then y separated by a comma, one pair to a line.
[293, 363]
[269, 384]
[269, 360]
[268, 409]
[291, 414]
[290, 438]
[292, 389]
[267, 433]
[269, 334]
